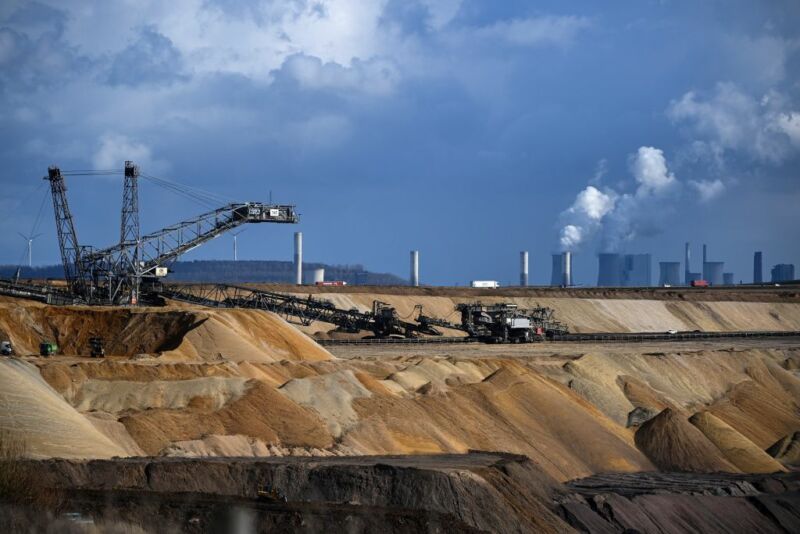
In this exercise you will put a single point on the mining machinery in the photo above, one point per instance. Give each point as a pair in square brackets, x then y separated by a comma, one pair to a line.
[507, 323]
[383, 320]
[121, 273]
[497, 323]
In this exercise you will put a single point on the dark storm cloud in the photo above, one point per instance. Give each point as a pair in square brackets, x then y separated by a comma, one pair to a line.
[33, 51]
[150, 59]
[455, 127]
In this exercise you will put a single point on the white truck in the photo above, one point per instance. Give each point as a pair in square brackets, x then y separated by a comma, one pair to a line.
[494, 284]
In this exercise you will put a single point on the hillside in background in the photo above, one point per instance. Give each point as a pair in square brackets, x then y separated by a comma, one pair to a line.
[238, 271]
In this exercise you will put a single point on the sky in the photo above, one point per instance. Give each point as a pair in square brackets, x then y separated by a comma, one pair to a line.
[469, 130]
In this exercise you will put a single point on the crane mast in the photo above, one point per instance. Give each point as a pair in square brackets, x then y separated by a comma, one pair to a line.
[117, 274]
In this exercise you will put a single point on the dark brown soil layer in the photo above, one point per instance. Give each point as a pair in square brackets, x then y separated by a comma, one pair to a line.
[479, 491]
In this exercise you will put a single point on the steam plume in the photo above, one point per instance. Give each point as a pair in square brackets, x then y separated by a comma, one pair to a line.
[619, 217]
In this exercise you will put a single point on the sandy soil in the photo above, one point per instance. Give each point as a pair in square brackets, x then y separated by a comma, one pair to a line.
[599, 314]
[187, 381]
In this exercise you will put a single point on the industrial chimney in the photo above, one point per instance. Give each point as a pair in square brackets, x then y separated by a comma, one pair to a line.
[523, 268]
[567, 269]
[415, 268]
[686, 269]
[758, 276]
[298, 258]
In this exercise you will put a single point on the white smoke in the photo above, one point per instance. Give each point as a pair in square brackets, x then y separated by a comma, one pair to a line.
[583, 218]
[571, 236]
[649, 167]
[619, 217]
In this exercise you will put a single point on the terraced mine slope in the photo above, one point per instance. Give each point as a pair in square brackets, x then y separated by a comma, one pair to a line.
[188, 382]
[594, 309]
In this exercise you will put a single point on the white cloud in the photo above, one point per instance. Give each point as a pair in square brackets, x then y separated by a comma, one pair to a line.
[537, 31]
[115, 149]
[731, 120]
[375, 76]
[708, 189]
[649, 168]
[251, 40]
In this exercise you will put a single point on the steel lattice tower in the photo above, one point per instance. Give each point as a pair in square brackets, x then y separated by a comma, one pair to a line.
[129, 237]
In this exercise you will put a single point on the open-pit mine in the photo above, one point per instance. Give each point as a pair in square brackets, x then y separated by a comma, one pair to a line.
[204, 418]
[131, 403]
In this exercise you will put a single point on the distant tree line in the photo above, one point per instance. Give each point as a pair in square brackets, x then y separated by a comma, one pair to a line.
[237, 272]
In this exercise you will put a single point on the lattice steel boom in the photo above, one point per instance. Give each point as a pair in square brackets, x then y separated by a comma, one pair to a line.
[113, 275]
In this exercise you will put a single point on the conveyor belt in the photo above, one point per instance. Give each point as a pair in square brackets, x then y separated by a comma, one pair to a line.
[600, 337]
[39, 293]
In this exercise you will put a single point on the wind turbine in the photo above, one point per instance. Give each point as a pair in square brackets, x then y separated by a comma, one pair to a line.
[235, 249]
[29, 239]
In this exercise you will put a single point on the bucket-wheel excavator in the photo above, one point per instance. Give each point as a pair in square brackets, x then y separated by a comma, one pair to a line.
[121, 273]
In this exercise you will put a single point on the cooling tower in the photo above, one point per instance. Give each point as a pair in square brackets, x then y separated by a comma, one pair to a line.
[712, 272]
[670, 273]
[637, 270]
[783, 272]
[319, 275]
[609, 270]
[557, 277]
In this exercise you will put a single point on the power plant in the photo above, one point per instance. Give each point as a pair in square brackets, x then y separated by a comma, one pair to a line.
[609, 269]
[628, 270]
[669, 273]
[713, 272]
[783, 272]
[689, 276]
